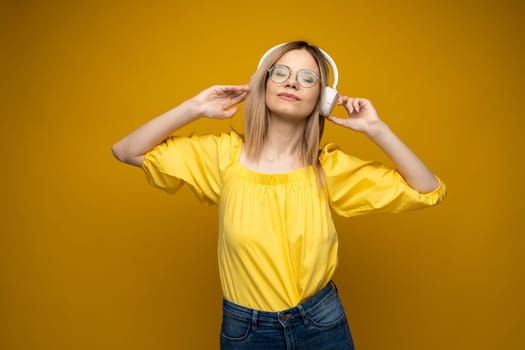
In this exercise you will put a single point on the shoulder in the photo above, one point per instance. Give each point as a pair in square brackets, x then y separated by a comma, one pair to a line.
[328, 151]
[220, 142]
[230, 144]
[331, 157]
[224, 148]
[233, 138]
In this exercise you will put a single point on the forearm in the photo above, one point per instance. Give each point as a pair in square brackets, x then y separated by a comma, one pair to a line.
[132, 148]
[411, 167]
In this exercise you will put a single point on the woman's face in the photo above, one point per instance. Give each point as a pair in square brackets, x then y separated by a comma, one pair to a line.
[289, 98]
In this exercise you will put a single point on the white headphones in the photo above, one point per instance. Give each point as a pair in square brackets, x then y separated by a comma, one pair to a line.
[329, 96]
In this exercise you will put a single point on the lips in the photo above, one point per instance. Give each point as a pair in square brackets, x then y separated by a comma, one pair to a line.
[288, 97]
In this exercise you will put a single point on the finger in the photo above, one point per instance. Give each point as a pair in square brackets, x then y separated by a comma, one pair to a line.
[230, 112]
[239, 98]
[235, 88]
[244, 87]
[335, 120]
[355, 104]
[348, 105]
[363, 103]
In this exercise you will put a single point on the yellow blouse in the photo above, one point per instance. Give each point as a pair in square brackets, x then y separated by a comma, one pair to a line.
[277, 240]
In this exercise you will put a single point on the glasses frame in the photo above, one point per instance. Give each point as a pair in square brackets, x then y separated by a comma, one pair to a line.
[270, 70]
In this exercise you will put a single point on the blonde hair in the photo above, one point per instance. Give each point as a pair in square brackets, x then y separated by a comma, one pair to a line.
[257, 115]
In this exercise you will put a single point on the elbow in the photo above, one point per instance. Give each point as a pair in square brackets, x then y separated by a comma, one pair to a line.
[118, 153]
[429, 186]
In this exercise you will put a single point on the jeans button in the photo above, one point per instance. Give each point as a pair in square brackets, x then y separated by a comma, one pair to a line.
[284, 317]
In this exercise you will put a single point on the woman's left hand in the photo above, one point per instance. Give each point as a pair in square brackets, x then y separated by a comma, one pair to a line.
[362, 115]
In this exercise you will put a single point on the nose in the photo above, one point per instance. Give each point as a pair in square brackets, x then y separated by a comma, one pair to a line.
[292, 82]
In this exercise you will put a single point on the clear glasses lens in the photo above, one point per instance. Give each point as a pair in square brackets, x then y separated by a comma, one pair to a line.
[279, 74]
[305, 78]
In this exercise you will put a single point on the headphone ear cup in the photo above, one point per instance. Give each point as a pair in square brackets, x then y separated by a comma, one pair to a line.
[328, 101]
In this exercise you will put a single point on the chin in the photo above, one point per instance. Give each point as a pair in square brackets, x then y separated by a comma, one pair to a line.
[291, 111]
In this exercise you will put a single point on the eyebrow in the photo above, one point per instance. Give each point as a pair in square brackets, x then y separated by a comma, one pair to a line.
[291, 70]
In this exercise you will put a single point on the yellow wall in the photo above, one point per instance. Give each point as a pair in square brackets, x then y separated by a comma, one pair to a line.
[91, 257]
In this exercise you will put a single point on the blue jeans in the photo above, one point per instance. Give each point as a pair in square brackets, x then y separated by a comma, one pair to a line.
[317, 324]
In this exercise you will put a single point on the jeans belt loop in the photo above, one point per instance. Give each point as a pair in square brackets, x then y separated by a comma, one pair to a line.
[306, 320]
[334, 287]
[254, 319]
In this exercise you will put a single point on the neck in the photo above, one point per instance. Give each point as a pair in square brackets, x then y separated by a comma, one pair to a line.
[284, 139]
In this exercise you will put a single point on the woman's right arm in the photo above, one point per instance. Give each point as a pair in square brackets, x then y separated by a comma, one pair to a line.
[214, 102]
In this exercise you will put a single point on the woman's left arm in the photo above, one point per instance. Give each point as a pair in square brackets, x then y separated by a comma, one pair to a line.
[362, 117]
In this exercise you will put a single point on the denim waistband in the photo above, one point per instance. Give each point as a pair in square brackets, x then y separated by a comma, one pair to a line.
[269, 317]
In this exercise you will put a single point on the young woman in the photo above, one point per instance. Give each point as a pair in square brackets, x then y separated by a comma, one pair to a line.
[275, 190]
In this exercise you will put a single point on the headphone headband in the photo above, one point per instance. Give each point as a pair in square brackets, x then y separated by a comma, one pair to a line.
[327, 57]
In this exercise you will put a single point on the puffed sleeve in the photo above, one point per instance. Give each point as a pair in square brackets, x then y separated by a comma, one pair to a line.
[356, 187]
[198, 161]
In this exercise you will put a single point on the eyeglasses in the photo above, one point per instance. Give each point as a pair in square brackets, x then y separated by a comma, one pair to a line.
[305, 77]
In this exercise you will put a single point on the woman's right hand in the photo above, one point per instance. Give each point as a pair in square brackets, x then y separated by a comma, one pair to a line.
[214, 102]
[218, 101]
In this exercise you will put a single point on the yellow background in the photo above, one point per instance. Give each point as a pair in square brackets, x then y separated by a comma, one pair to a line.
[91, 257]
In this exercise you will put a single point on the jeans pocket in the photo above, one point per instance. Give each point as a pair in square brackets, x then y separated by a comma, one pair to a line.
[327, 314]
[234, 328]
